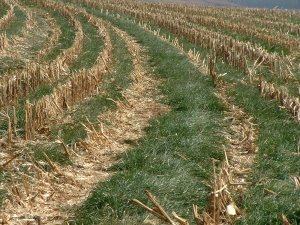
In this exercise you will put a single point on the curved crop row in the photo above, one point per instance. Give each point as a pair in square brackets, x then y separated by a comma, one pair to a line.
[80, 85]
[236, 53]
[69, 55]
[241, 140]
[268, 19]
[264, 15]
[7, 18]
[264, 34]
[37, 27]
[231, 50]
[70, 186]
[4, 22]
[17, 84]
[268, 90]
[242, 27]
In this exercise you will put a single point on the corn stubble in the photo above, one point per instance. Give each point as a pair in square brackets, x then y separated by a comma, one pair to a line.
[8, 17]
[38, 195]
[230, 178]
[30, 193]
[235, 54]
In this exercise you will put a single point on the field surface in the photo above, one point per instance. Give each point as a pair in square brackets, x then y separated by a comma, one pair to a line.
[128, 112]
[197, 2]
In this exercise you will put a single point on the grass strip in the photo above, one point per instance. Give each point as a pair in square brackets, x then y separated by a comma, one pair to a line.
[92, 45]
[2, 191]
[276, 159]
[66, 39]
[281, 146]
[67, 36]
[275, 163]
[3, 10]
[279, 136]
[171, 161]
[14, 28]
[90, 108]
[111, 86]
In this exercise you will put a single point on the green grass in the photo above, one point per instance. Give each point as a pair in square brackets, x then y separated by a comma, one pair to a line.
[2, 192]
[91, 47]
[67, 37]
[3, 10]
[171, 161]
[55, 153]
[14, 28]
[111, 86]
[174, 159]
[145, 166]
[18, 22]
[276, 159]
[275, 162]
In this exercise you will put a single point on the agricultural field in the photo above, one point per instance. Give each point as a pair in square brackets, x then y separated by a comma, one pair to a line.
[128, 112]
